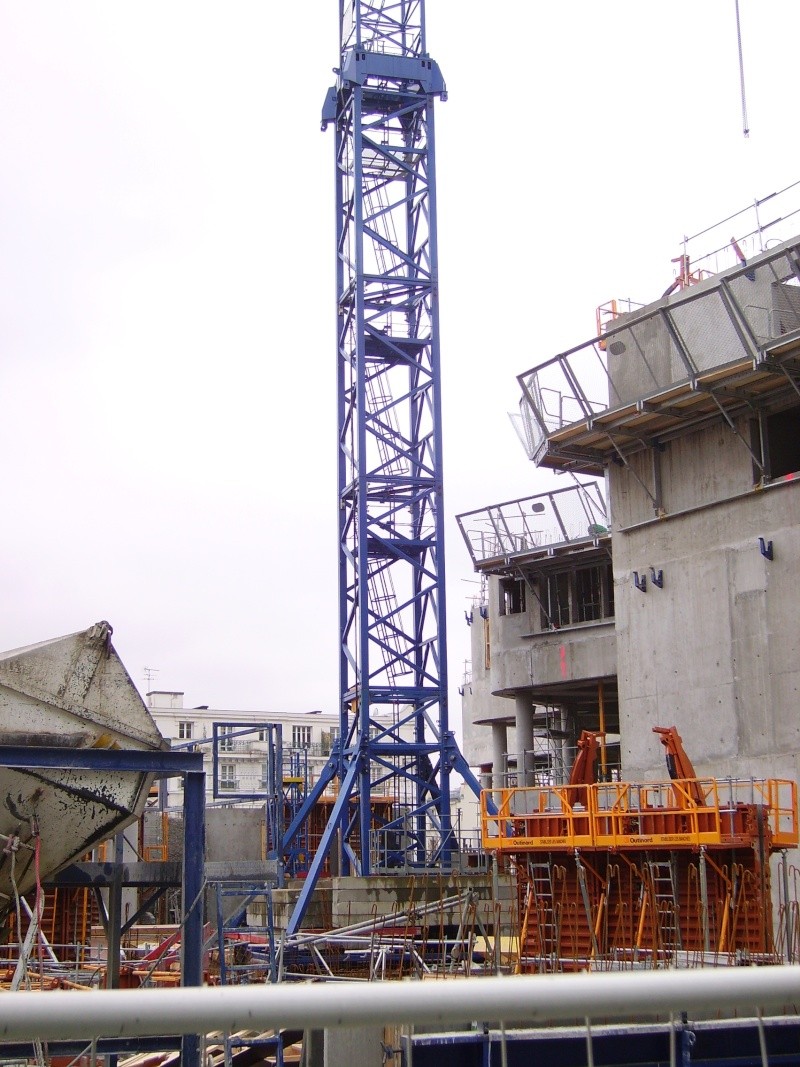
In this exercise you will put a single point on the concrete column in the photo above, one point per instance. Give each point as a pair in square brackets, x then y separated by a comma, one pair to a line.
[486, 775]
[523, 714]
[499, 750]
[348, 1045]
[569, 744]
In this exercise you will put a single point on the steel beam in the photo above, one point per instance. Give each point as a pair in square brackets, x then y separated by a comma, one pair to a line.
[167, 763]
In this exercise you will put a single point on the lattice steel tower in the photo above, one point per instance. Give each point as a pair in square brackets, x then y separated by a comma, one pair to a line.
[391, 534]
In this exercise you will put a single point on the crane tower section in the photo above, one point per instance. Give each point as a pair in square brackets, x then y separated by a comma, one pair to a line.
[391, 565]
[396, 750]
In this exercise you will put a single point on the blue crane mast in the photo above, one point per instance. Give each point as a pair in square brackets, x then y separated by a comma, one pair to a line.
[394, 739]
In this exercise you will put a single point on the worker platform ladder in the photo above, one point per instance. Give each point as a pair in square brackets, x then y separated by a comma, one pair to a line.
[540, 930]
[281, 810]
[246, 950]
[660, 905]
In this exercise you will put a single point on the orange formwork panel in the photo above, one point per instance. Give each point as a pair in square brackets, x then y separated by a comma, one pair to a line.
[638, 909]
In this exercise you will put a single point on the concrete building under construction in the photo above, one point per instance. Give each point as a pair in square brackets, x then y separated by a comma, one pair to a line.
[668, 593]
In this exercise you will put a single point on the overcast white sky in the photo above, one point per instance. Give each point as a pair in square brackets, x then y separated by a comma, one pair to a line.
[167, 358]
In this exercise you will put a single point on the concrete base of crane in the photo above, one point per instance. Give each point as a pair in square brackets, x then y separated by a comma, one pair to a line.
[340, 903]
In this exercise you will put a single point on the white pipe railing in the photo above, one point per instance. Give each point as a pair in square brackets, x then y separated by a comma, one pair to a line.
[535, 999]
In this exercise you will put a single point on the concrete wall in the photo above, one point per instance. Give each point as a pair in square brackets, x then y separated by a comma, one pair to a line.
[479, 706]
[711, 464]
[521, 655]
[579, 652]
[643, 358]
[232, 834]
[343, 902]
[716, 652]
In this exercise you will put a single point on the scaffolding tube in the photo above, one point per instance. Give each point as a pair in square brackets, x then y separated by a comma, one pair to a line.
[535, 999]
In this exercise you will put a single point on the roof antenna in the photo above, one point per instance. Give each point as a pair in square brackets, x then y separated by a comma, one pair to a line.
[745, 127]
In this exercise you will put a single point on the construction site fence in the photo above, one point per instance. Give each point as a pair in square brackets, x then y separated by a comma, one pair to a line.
[679, 813]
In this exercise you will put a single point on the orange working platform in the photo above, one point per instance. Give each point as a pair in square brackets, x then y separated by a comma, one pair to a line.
[613, 815]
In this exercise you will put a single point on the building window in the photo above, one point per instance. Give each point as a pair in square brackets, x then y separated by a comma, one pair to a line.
[301, 737]
[225, 740]
[783, 442]
[487, 645]
[512, 596]
[329, 739]
[556, 600]
[594, 593]
[185, 731]
[585, 594]
[227, 776]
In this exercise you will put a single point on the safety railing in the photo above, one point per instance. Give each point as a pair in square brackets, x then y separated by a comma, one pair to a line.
[563, 516]
[533, 1000]
[735, 317]
[400, 850]
[532, 817]
[657, 814]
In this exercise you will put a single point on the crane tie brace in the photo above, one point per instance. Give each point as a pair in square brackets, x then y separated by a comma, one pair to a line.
[745, 126]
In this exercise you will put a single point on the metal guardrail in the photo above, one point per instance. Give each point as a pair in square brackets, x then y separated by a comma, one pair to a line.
[543, 521]
[397, 851]
[612, 815]
[737, 316]
[755, 226]
[533, 1000]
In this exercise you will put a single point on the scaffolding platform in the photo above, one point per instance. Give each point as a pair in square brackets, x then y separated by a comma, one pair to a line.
[728, 345]
[613, 815]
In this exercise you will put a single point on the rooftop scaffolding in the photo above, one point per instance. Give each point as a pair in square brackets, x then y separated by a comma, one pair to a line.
[726, 345]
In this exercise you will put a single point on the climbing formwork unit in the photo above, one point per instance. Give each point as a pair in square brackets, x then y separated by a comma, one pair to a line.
[673, 873]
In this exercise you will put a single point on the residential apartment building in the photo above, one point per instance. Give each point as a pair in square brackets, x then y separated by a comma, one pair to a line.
[240, 772]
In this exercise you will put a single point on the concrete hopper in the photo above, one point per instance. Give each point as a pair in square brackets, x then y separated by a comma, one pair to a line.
[70, 692]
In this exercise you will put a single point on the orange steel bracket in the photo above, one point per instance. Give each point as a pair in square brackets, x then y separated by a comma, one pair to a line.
[584, 769]
[679, 765]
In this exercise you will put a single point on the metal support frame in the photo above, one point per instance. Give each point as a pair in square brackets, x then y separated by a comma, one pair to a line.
[190, 765]
[391, 519]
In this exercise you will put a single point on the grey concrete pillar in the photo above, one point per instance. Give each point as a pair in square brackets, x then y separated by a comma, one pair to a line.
[569, 748]
[347, 1046]
[523, 714]
[486, 776]
[499, 750]
[313, 1048]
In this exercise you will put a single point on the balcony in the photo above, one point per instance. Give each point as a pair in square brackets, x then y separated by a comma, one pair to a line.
[240, 747]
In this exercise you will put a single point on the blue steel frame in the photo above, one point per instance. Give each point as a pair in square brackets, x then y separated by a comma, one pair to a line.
[188, 764]
[391, 532]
